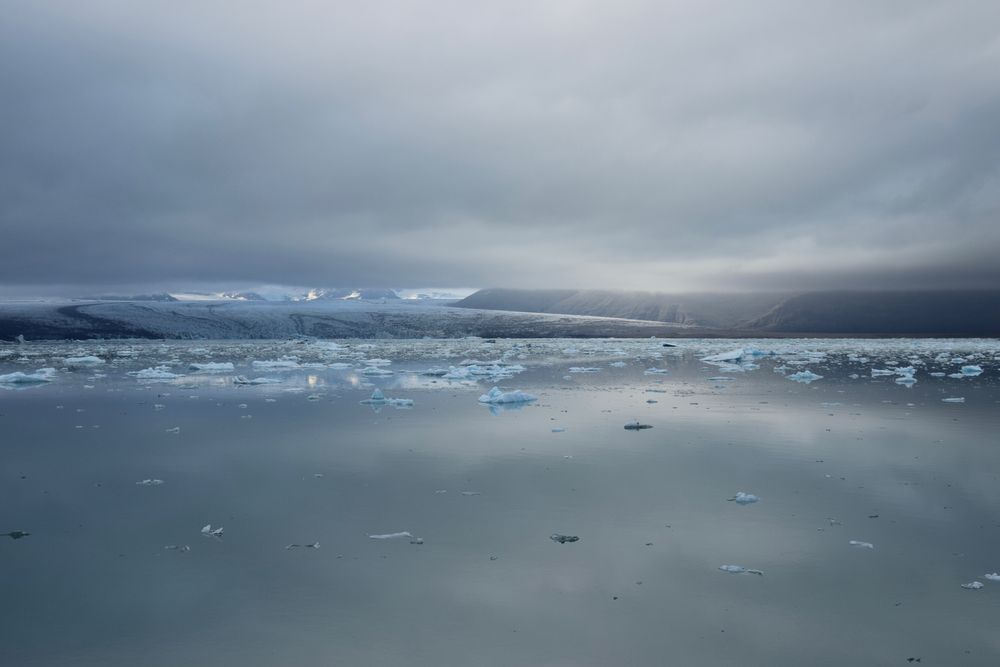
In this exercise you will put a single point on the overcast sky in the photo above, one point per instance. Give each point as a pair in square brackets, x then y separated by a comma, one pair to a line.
[651, 145]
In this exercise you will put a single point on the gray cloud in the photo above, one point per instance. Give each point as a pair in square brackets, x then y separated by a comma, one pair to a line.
[650, 145]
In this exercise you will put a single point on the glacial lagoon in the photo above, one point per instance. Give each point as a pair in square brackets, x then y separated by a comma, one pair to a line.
[419, 526]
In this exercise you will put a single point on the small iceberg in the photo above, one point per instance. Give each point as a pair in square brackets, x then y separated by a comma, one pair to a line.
[314, 545]
[208, 531]
[154, 373]
[954, 399]
[636, 426]
[213, 367]
[40, 376]
[973, 585]
[992, 577]
[378, 398]
[732, 355]
[563, 539]
[398, 536]
[89, 360]
[496, 396]
[278, 364]
[861, 545]
[742, 498]
[244, 380]
[149, 482]
[739, 569]
[968, 371]
[805, 377]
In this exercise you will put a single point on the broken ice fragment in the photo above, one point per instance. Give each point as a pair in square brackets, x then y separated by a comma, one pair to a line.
[149, 482]
[861, 545]
[496, 396]
[563, 539]
[732, 355]
[742, 498]
[396, 536]
[972, 371]
[954, 399]
[15, 534]
[38, 377]
[314, 545]
[973, 585]
[739, 569]
[992, 577]
[213, 532]
[805, 376]
[177, 547]
[176, 429]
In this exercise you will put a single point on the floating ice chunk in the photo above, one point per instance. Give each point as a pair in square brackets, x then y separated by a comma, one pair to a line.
[617, 364]
[558, 429]
[937, 375]
[155, 373]
[177, 547]
[496, 396]
[805, 377]
[563, 539]
[972, 371]
[176, 429]
[38, 377]
[244, 380]
[721, 378]
[742, 498]
[314, 545]
[655, 371]
[472, 493]
[208, 531]
[213, 367]
[636, 426]
[954, 399]
[879, 372]
[861, 545]
[277, 364]
[973, 585]
[739, 569]
[992, 577]
[378, 398]
[584, 369]
[732, 355]
[149, 482]
[375, 371]
[89, 360]
[398, 536]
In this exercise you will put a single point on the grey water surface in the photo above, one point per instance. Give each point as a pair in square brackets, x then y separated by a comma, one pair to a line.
[303, 460]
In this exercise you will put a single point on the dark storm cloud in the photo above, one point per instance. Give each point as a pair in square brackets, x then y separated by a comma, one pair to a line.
[642, 144]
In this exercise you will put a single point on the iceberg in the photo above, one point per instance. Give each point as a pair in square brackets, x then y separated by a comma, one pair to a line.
[38, 377]
[564, 539]
[84, 361]
[972, 371]
[954, 399]
[742, 498]
[213, 367]
[992, 577]
[155, 373]
[378, 398]
[805, 377]
[973, 585]
[243, 380]
[636, 426]
[732, 355]
[739, 569]
[496, 396]
[397, 536]
[208, 531]
[861, 545]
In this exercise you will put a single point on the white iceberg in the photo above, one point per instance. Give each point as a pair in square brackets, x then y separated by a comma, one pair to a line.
[732, 355]
[861, 545]
[805, 376]
[742, 498]
[398, 536]
[378, 398]
[213, 367]
[149, 482]
[208, 531]
[38, 377]
[992, 577]
[954, 399]
[89, 360]
[496, 396]
[155, 373]
[973, 585]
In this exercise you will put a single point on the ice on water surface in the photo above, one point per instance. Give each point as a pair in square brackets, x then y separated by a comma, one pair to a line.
[898, 465]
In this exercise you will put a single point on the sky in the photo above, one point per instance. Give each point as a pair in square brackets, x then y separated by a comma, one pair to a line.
[663, 146]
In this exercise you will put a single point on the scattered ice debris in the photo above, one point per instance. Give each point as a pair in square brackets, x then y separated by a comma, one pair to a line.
[175, 429]
[314, 545]
[38, 377]
[213, 367]
[655, 371]
[739, 569]
[563, 539]
[154, 373]
[861, 545]
[243, 380]
[15, 534]
[584, 369]
[954, 399]
[149, 482]
[178, 547]
[742, 498]
[496, 396]
[636, 426]
[89, 360]
[211, 532]
[805, 376]
[397, 536]
[972, 371]
[973, 585]
[732, 355]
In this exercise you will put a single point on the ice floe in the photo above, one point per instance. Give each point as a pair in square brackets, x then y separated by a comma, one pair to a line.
[805, 376]
[494, 395]
[213, 367]
[398, 536]
[742, 498]
[973, 585]
[861, 545]
[739, 569]
[42, 375]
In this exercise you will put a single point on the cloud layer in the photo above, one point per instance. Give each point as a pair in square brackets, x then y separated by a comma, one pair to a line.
[651, 145]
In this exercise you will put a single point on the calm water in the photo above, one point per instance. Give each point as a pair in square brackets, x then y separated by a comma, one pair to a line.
[302, 460]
